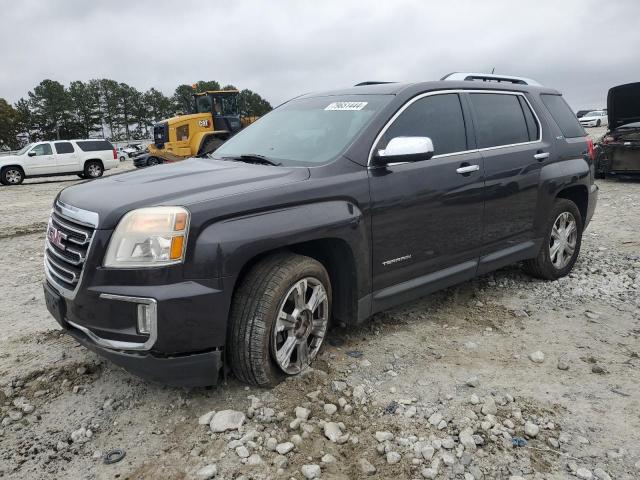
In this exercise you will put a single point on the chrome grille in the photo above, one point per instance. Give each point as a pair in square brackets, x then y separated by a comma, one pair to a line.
[66, 246]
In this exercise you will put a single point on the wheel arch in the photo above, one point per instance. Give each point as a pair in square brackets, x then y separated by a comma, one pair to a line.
[17, 165]
[230, 248]
[579, 195]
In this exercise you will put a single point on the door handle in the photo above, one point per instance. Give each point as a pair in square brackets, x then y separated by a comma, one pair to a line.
[467, 169]
[541, 156]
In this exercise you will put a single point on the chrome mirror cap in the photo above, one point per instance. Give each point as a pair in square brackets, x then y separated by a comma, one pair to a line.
[405, 149]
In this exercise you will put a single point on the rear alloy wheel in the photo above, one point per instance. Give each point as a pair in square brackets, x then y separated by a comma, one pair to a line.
[12, 176]
[279, 318]
[562, 243]
[93, 169]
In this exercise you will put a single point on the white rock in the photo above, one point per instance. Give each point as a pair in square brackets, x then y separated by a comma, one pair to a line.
[466, 439]
[584, 474]
[601, 474]
[448, 443]
[359, 394]
[427, 452]
[310, 471]
[328, 458]
[206, 419]
[429, 473]
[332, 431]
[227, 420]
[284, 448]
[489, 406]
[254, 460]
[271, 444]
[531, 429]
[302, 413]
[473, 381]
[205, 473]
[474, 400]
[79, 435]
[384, 436]
[242, 451]
[448, 459]
[338, 386]
[330, 408]
[536, 357]
[435, 419]
[365, 467]
[393, 458]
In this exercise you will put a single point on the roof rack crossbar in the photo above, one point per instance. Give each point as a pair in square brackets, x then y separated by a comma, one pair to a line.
[362, 84]
[490, 77]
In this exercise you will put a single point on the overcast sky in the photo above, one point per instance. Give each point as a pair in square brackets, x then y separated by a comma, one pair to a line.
[283, 48]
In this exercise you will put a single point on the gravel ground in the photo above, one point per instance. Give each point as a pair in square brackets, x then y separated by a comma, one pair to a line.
[500, 377]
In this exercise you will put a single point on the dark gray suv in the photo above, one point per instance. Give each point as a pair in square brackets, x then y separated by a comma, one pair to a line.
[334, 206]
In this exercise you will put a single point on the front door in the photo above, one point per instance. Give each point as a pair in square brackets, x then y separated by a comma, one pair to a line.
[40, 160]
[67, 159]
[426, 216]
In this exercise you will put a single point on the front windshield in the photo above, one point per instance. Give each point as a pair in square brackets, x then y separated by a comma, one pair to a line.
[307, 130]
[24, 149]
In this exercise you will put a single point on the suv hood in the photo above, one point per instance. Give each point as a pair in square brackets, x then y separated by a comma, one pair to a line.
[6, 159]
[183, 183]
[623, 104]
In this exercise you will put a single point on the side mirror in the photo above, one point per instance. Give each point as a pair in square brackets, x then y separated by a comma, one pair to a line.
[32, 153]
[404, 149]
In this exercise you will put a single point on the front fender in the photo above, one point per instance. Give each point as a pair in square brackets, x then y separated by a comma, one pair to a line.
[223, 248]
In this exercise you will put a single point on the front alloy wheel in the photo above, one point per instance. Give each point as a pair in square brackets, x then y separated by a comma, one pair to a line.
[279, 317]
[12, 176]
[300, 326]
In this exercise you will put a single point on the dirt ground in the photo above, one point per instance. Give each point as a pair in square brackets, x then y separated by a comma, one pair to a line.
[428, 375]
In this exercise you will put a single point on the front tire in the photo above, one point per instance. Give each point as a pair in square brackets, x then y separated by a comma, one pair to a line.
[562, 241]
[12, 176]
[279, 317]
[93, 169]
[151, 161]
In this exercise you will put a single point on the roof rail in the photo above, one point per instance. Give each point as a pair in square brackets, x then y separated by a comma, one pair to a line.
[490, 77]
[362, 84]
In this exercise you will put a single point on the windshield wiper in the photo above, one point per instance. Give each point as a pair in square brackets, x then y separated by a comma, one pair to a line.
[254, 158]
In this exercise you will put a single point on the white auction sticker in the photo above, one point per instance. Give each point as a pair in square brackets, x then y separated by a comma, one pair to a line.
[346, 106]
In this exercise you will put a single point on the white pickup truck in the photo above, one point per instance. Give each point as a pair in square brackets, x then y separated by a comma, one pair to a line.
[85, 158]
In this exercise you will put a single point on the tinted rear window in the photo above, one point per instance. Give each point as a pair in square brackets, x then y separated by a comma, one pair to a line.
[562, 114]
[94, 145]
[500, 119]
[64, 147]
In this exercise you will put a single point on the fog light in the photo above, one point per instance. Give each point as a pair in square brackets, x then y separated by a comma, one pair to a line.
[144, 318]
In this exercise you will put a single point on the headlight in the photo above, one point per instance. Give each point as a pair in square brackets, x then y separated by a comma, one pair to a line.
[149, 237]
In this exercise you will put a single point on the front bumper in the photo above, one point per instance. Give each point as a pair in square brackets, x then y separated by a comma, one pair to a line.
[185, 344]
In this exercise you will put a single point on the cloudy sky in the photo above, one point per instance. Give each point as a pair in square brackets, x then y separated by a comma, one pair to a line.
[283, 48]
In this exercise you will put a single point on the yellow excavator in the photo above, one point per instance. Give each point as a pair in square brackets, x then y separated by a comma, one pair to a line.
[216, 117]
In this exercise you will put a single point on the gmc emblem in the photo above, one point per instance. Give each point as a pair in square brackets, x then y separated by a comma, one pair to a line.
[56, 237]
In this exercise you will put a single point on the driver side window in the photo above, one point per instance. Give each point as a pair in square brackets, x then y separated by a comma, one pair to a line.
[438, 117]
[42, 149]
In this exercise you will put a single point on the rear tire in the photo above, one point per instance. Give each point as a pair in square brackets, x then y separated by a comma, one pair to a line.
[274, 329]
[151, 161]
[93, 169]
[562, 242]
[12, 176]
[598, 123]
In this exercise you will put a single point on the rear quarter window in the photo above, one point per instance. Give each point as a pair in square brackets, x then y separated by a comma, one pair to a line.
[500, 120]
[94, 145]
[563, 116]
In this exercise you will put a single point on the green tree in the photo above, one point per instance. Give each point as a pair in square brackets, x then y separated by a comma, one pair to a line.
[50, 106]
[9, 126]
[252, 104]
[110, 104]
[182, 99]
[26, 125]
[158, 105]
[202, 86]
[85, 101]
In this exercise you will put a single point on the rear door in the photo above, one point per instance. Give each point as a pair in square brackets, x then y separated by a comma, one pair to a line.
[426, 217]
[40, 160]
[67, 158]
[509, 136]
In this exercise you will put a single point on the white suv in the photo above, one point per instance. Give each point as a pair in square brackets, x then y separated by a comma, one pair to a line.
[85, 158]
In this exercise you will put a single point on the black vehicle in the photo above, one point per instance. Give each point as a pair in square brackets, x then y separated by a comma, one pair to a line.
[334, 206]
[618, 154]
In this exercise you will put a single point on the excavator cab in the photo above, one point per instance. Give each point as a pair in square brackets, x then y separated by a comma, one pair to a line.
[223, 107]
